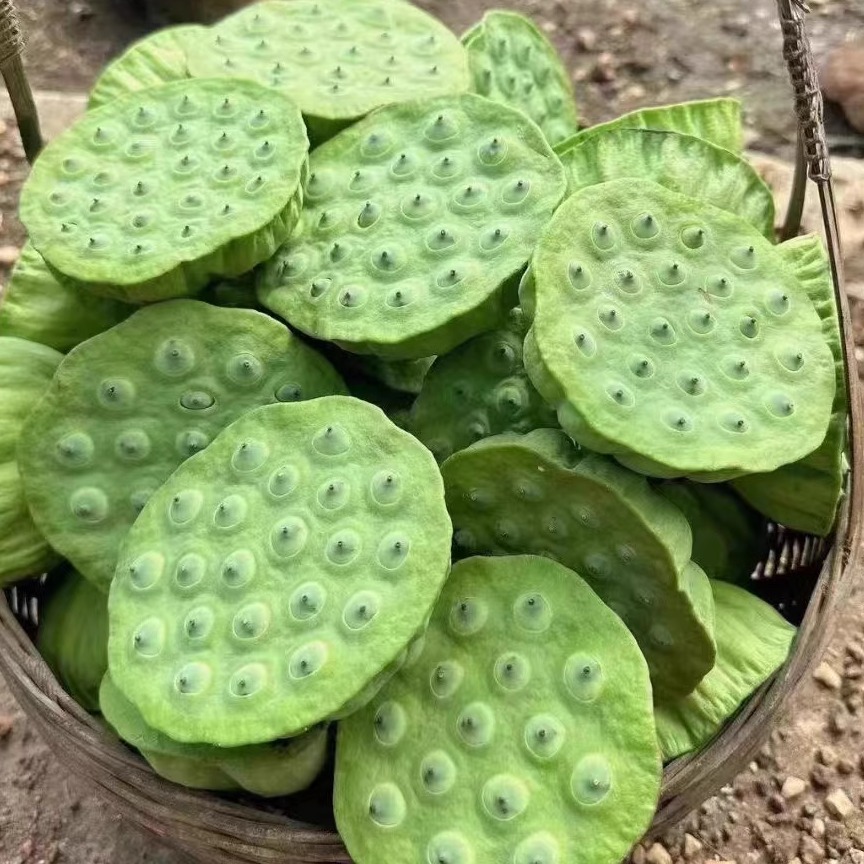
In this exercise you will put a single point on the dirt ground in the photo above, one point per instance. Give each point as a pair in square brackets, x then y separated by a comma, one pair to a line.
[623, 55]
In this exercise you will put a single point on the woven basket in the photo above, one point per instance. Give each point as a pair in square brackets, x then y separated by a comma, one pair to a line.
[806, 578]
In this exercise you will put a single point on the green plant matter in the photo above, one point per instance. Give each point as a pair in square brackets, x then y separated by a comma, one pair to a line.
[512, 62]
[338, 61]
[128, 406]
[26, 370]
[512, 494]
[673, 336]
[477, 390]
[73, 636]
[522, 732]
[159, 191]
[307, 545]
[416, 224]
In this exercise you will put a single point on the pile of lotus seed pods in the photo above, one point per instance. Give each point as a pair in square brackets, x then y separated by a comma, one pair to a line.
[357, 400]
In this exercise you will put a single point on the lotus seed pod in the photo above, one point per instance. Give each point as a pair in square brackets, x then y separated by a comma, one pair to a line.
[129, 405]
[159, 58]
[522, 733]
[514, 494]
[477, 390]
[158, 192]
[729, 538]
[278, 573]
[668, 333]
[753, 641]
[73, 637]
[718, 121]
[26, 370]
[39, 307]
[416, 225]
[272, 769]
[805, 494]
[338, 61]
[406, 376]
[682, 163]
[513, 62]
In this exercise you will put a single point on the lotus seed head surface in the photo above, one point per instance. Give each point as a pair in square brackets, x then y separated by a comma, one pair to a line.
[682, 163]
[129, 405]
[514, 494]
[718, 121]
[477, 390]
[338, 61]
[415, 223]
[37, 306]
[276, 768]
[406, 376]
[26, 370]
[753, 641]
[157, 192]
[156, 59]
[805, 494]
[513, 62]
[729, 537]
[277, 573]
[672, 335]
[73, 636]
[522, 733]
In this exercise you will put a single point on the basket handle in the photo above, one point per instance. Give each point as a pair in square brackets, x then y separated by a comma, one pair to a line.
[814, 158]
[12, 69]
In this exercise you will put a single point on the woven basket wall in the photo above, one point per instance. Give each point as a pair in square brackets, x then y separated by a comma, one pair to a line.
[807, 578]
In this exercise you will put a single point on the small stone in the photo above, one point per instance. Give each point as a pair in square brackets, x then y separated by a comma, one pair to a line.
[795, 860]
[845, 766]
[827, 676]
[657, 854]
[692, 846]
[838, 720]
[586, 39]
[855, 651]
[809, 809]
[820, 776]
[637, 856]
[6, 726]
[810, 850]
[838, 804]
[826, 756]
[9, 255]
[818, 829]
[792, 788]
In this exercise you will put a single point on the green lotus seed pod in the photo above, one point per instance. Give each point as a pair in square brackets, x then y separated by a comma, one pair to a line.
[718, 121]
[513, 62]
[129, 405]
[156, 59]
[521, 733]
[477, 390]
[753, 641]
[338, 61]
[729, 538]
[663, 334]
[272, 769]
[39, 307]
[416, 224]
[682, 163]
[26, 370]
[514, 494]
[805, 495]
[73, 637]
[277, 574]
[158, 192]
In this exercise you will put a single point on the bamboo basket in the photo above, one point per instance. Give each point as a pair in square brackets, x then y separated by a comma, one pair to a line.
[807, 578]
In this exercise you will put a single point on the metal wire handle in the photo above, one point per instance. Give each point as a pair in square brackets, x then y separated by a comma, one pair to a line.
[12, 69]
[814, 157]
